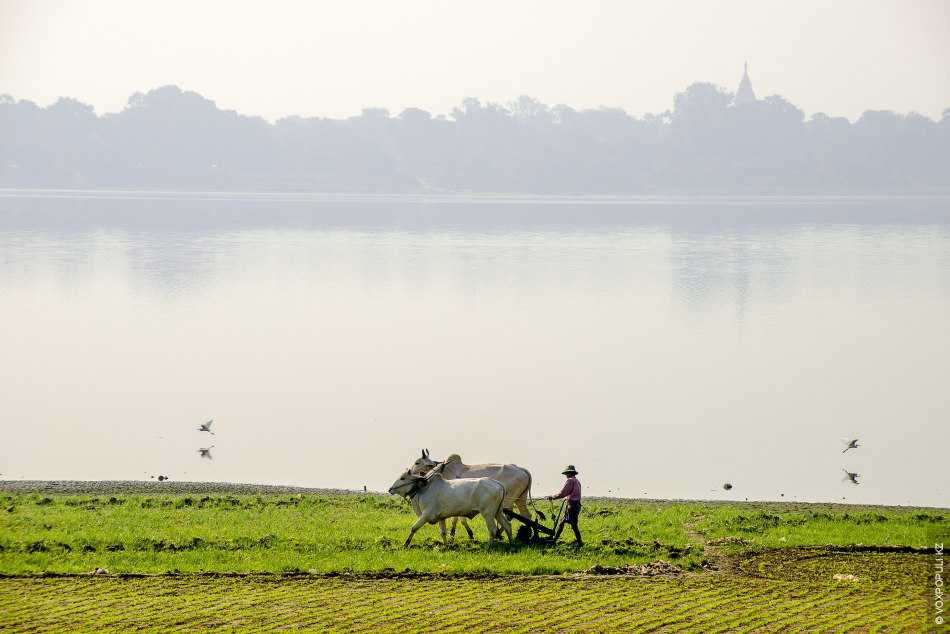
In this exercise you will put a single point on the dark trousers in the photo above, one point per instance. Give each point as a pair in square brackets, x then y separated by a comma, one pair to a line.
[573, 512]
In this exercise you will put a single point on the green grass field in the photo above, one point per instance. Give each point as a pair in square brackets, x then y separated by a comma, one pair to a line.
[364, 533]
[337, 562]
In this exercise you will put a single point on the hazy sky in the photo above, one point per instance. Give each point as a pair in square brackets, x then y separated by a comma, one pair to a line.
[334, 58]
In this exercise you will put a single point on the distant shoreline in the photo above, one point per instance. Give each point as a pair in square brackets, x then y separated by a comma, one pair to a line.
[151, 487]
[424, 197]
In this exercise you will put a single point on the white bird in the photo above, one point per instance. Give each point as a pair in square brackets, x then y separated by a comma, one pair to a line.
[207, 427]
[852, 443]
[852, 477]
[206, 452]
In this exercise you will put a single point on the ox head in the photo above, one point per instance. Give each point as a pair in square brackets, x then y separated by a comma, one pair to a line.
[406, 484]
[422, 465]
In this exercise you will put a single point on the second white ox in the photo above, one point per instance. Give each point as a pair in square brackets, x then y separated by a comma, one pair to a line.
[434, 499]
[516, 480]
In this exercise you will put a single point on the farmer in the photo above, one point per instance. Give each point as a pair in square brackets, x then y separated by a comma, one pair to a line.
[571, 491]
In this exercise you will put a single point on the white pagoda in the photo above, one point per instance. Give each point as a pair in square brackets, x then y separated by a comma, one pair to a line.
[744, 94]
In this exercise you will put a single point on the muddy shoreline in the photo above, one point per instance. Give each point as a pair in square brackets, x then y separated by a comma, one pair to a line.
[137, 487]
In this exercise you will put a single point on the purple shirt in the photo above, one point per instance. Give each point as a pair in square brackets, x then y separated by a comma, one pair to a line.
[571, 490]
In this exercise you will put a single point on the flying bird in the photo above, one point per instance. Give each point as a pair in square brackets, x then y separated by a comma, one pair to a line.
[207, 427]
[852, 443]
[727, 486]
[852, 477]
[206, 452]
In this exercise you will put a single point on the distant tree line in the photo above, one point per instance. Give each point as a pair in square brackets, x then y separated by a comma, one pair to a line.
[169, 138]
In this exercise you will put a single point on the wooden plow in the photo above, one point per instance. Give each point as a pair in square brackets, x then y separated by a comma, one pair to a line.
[540, 534]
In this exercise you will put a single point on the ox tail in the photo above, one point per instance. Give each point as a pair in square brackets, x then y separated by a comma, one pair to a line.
[501, 505]
[500, 510]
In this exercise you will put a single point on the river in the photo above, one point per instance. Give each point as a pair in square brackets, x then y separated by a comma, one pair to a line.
[665, 346]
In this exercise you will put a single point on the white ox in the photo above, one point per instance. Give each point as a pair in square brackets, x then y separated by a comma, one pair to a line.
[516, 480]
[434, 499]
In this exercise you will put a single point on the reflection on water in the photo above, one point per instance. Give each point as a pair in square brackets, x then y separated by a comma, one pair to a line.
[663, 346]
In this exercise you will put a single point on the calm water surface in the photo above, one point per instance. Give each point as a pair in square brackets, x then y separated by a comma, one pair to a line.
[664, 346]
